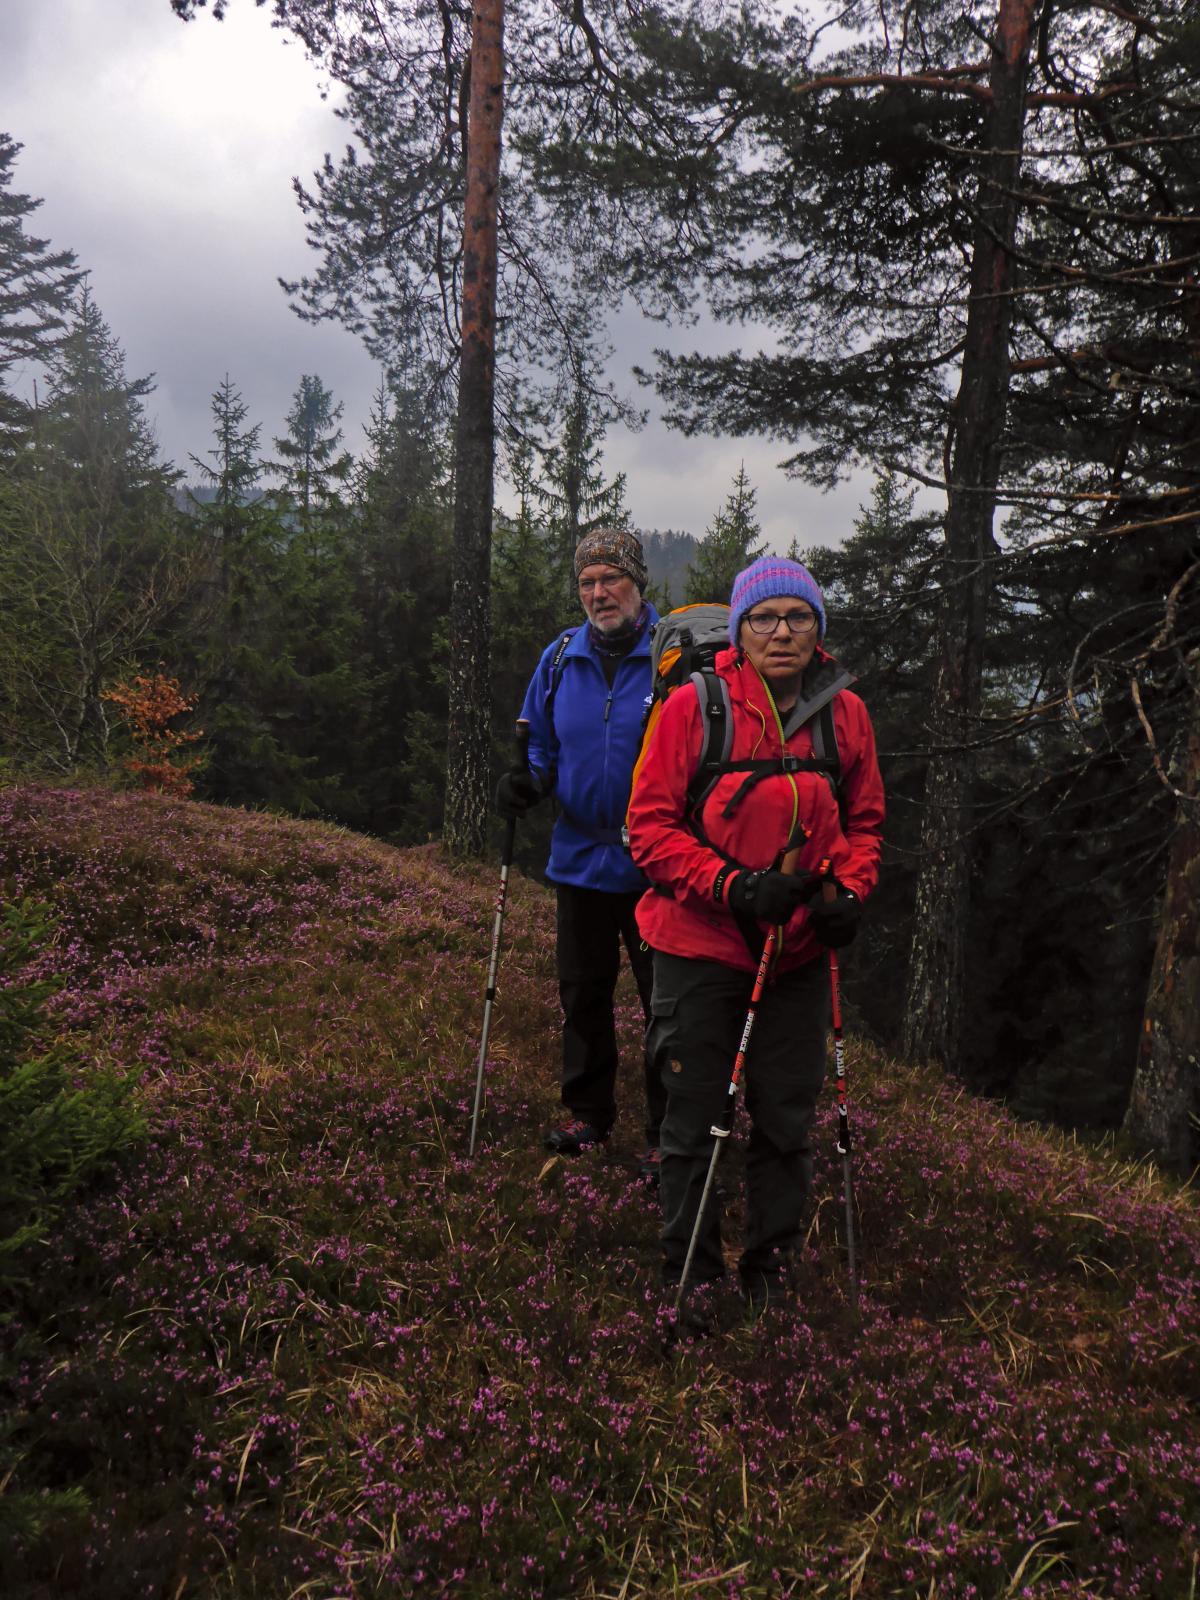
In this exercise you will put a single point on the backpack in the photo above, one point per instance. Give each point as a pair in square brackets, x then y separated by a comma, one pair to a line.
[684, 646]
[683, 649]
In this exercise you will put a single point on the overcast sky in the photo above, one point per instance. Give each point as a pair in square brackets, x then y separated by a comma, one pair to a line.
[164, 154]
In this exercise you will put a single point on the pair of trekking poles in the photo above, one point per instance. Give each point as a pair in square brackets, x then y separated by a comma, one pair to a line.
[721, 1129]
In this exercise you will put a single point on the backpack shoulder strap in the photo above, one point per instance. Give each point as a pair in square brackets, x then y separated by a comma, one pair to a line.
[816, 710]
[716, 717]
[556, 672]
[829, 685]
[825, 751]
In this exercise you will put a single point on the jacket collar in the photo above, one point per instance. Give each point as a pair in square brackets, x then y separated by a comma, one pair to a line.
[824, 677]
[581, 639]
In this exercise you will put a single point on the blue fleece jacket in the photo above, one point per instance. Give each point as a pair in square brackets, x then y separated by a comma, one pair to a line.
[585, 752]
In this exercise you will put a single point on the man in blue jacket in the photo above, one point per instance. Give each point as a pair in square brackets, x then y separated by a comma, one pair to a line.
[585, 707]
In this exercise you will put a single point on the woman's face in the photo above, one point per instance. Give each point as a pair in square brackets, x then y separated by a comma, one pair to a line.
[780, 655]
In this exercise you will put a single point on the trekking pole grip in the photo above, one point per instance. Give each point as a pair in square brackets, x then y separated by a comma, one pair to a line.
[510, 831]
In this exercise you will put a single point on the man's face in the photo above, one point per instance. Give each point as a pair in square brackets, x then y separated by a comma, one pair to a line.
[610, 598]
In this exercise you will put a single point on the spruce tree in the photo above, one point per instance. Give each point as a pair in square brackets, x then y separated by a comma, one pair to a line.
[241, 661]
[37, 282]
[236, 465]
[312, 467]
[732, 541]
[94, 565]
[572, 491]
[401, 538]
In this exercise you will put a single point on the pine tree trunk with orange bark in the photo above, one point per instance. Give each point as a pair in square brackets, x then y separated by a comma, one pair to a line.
[468, 741]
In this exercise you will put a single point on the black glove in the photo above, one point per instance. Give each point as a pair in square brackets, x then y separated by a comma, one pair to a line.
[517, 792]
[835, 922]
[769, 896]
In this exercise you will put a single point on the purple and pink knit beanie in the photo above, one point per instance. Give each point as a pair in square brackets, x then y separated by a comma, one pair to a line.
[768, 579]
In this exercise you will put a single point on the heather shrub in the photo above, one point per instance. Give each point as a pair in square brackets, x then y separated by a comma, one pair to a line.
[58, 1129]
[58, 1125]
[302, 1346]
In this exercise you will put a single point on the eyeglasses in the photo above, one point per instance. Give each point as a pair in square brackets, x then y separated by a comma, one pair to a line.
[610, 580]
[766, 622]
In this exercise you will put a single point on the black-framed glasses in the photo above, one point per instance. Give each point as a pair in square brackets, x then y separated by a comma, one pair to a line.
[607, 580]
[766, 622]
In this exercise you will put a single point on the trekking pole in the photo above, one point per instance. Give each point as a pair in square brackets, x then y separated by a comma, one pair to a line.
[723, 1127]
[829, 893]
[489, 995]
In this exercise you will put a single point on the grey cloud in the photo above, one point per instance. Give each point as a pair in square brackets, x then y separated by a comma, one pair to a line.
[165, 152]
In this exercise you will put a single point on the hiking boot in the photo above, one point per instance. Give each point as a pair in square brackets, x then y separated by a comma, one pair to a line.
[698, 1313]
[575, 1137]
[764, 1291]
[650, 1166]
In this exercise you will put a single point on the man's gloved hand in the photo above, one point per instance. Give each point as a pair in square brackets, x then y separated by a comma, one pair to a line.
[517, 792]
[835, 922]
[769, 896]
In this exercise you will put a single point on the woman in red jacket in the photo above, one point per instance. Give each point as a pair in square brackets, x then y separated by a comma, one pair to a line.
[716, 887]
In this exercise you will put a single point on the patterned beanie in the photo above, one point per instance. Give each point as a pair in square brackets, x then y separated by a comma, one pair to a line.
[769, 579]
[616, 546]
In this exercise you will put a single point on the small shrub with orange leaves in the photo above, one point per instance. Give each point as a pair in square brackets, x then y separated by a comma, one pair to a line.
[148, 704]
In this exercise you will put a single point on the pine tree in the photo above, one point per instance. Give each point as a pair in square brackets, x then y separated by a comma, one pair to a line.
[416, 260]
[869, 205]
[731, 542]
[881, 596]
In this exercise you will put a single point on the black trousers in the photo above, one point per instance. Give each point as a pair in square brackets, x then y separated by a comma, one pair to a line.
[592, 926]
[699, 1011]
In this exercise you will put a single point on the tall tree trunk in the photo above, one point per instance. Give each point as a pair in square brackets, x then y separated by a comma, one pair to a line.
[1164, 1107]
[468, 740]
[934, 1002]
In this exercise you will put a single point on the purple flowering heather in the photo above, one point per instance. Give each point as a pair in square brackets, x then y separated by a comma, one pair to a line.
[301, 1346]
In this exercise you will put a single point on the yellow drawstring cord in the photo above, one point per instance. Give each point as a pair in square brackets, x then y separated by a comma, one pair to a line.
[791, 777]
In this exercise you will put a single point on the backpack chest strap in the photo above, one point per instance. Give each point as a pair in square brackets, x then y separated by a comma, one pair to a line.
[777, 766]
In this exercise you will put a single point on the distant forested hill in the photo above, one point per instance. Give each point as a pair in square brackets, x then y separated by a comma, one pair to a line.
[669, 554]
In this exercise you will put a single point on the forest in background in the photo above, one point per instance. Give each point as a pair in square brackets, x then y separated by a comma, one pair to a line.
[970, 239]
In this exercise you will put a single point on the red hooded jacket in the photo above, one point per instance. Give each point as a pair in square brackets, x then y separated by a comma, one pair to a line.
[679, 914]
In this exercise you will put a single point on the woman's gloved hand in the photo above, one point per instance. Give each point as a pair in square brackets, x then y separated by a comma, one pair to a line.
[835, 922]
[769, 896]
